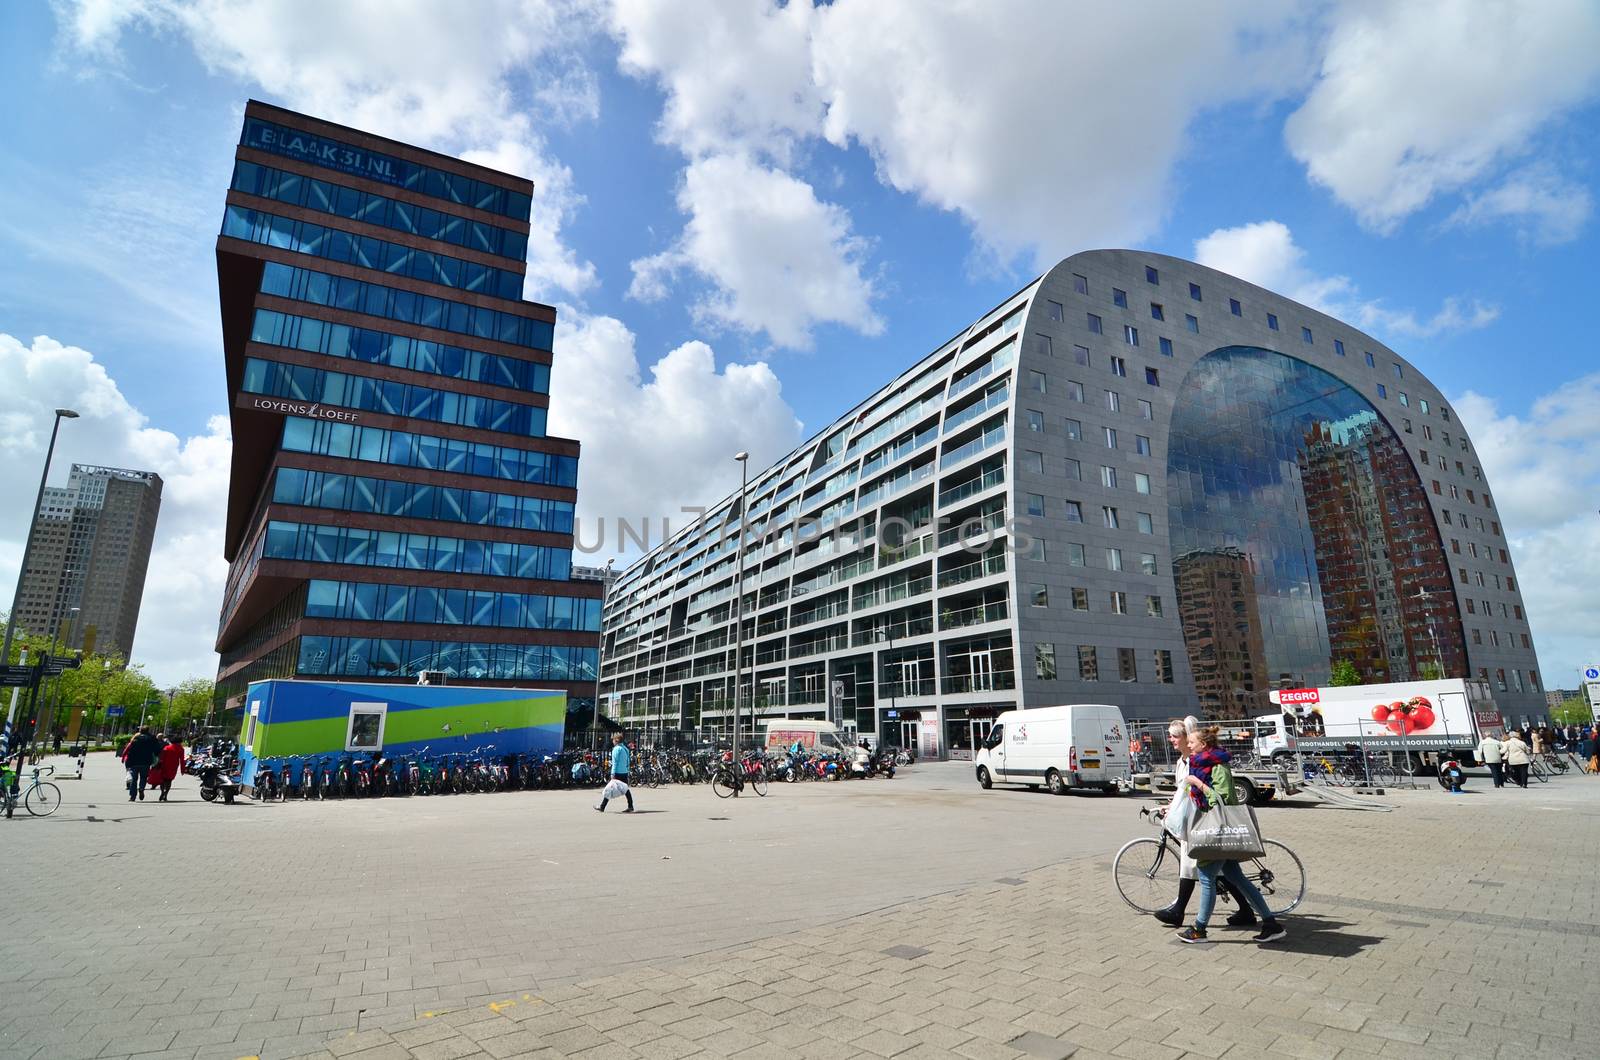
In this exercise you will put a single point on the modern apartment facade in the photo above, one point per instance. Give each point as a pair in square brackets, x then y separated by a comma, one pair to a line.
[90, 554]
[1138, 481]
[396, 504]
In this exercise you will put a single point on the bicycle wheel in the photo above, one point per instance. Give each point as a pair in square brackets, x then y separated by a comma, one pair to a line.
[1556, 763]
[1279, 876]
[758, 784]
[1539, 772]
[722, 784]
[42, 799]
[1146, 874]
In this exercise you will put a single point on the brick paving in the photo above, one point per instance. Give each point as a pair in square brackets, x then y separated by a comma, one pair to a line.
[917, 918]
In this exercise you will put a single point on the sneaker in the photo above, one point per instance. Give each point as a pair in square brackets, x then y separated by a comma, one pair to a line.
[628, 810]
[1271, 931]
[1169, 915]
[1192, 934]
[1242, 918]
[598, 809]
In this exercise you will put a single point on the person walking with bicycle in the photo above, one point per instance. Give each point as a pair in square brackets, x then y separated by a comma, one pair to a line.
[621, 760]
[1210, 783]
[1178, 736]
[1490, 754]
[1517, 757]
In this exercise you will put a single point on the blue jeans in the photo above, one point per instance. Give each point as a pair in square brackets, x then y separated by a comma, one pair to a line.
[136, 779]
[1207, 873]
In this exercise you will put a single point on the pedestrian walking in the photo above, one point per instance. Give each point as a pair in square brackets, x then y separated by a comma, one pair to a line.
[1538, 741]
[617, 786]
[138, 756]
[1210, 783]
[1489, 754]
[1517, 758]
[1178, 736]
[169, 766]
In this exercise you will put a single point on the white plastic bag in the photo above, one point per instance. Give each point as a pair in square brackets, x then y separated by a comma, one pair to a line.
[1180, 814]
[614, 789]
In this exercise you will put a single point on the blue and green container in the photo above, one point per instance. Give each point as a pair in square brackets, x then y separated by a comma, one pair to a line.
[297, 718]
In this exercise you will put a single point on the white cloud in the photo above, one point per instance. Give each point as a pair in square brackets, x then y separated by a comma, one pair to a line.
[1265, 253]
[1422, 98]
[183, 588]
[1544, 470]
[1050, 128]
[651, 446]
[435, 74]
[739, 98]
[1544, 207]
[780, 260]
[737, 76]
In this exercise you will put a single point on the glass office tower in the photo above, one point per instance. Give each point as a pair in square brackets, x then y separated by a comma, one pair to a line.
[1137, 481]
[395, 503]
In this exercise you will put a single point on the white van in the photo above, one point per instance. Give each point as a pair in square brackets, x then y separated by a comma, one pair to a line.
[1073, 746]
[822, 737]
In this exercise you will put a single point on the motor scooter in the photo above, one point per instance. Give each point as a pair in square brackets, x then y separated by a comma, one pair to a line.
[216, 779]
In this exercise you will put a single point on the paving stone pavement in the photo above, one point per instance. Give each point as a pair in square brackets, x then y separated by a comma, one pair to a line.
[916, 918]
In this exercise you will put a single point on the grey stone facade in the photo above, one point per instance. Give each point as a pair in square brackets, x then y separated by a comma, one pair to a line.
[668, 630]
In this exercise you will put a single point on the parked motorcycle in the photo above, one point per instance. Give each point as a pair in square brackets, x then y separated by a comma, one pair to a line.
[216, 778]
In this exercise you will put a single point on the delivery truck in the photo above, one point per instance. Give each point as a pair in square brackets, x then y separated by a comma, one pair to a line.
[1435, 720]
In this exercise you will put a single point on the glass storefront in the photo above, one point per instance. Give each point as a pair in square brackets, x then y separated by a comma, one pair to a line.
[1301, 535]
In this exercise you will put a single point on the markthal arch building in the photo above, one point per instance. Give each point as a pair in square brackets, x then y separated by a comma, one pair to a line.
[1137, 481]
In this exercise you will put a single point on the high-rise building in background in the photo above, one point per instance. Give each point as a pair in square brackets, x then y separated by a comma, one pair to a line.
[1136, 481]
[91, 551]
[395, 504]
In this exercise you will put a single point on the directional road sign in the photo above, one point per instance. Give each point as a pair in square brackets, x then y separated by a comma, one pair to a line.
[114, 712]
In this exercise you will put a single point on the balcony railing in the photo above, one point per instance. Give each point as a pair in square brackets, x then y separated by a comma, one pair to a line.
[974, 616]
[991, 436]
[874, 635]
[890, 593]
[985, 524]
[987, 480]
[833, 610]
[905, 689]
[885, 490]
[1004, 359]
[888, 557]
[981, 569]
[818, 647]
[998, 681]
[999, 396]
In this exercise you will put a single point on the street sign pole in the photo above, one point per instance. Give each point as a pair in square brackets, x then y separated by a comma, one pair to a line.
[11, 713]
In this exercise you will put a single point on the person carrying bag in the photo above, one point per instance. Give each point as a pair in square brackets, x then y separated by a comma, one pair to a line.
[1220, 836]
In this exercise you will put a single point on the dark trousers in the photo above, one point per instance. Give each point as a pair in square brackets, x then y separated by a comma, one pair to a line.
[137, 775]
[1498, 771]
[624, 778]
[1520, 775]
[166, 786]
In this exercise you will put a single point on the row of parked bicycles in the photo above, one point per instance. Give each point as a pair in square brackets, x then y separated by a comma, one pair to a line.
[345, 775]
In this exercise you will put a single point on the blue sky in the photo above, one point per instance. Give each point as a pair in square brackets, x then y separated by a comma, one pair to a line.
[753, 219]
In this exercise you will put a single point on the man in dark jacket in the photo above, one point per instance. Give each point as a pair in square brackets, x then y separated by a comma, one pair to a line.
[140, 754]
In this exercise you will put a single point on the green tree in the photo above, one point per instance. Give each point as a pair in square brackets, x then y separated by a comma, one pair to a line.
[1345, 673]
[1574, 711]
[1430, 671]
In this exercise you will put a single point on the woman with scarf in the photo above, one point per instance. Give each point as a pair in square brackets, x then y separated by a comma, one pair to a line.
[1210, 783]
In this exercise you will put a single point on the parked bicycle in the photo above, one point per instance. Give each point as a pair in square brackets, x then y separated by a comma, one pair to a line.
[41, 798]
[1146, 871]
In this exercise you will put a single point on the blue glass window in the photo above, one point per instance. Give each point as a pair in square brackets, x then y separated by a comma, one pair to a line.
[396, 399]
[415, 500]
[308, 237]
[1283, 595]
[323, 656]
[1235, 308]
[360, 547]
[1151, 275]
[1166, 347]
[388, 169]
[404, 449]
[342, 292]
[1272, 321]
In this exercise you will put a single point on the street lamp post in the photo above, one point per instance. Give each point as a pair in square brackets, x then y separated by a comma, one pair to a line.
[738, 606]
[27, 550]
[885, 633]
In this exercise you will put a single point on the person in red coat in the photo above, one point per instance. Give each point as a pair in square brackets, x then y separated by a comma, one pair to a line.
[168, 766]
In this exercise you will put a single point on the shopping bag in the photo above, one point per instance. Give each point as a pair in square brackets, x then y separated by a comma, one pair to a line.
[614, 789]
[1225, 833]
[1179, 815]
